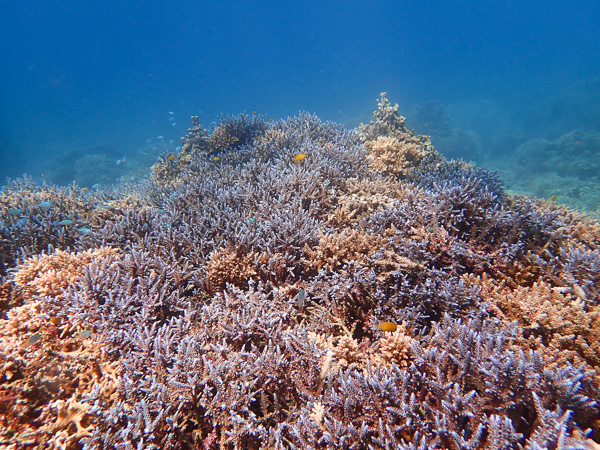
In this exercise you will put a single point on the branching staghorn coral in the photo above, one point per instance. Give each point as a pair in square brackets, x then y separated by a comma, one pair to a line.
[236, 303]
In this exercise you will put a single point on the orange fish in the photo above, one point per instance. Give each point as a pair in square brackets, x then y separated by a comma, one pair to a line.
[299, 157]
[171, 157]
[388, 326]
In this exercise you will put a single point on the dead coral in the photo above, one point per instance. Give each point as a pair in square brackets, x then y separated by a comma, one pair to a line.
[393, 149]
[390, 157]
[50, 275]
[388, 121]
[361, 197]
[227, 266]
[196, 140]
[335, 250]
[561, 326]
[394, 348]
[346, 351]
[47, 374]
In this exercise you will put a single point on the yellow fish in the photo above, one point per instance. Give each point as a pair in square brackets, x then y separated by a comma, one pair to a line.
[554, 197]
[253, 112]
[171, 157]
[216, 158]
[271, 119]
[388, 326]
[299, 157]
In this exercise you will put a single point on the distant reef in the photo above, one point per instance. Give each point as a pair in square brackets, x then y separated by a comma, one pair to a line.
[296, 284]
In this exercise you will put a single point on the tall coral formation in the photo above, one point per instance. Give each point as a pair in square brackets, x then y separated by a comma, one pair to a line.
[393, 149]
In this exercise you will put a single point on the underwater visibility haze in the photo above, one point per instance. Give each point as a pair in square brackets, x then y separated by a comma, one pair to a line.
[328, 224]
[82, 86]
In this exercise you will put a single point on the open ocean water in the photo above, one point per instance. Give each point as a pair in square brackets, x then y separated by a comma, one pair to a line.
[93, 92]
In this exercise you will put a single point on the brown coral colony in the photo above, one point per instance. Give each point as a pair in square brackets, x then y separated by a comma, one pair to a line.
[234, 299]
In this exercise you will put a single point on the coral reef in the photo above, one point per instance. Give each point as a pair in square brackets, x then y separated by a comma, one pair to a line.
[295, 284]
[564, 169]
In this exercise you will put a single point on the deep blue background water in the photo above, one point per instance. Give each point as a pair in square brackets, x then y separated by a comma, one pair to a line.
[81, 75]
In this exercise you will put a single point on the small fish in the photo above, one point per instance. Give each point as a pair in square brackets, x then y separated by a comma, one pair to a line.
[85, 189]
[301, 298]
[252, 220]
[96, 186]
[173, 124]
[84, 334]
[300, 157]
[54, 320]
[45, 206]
[171, 157]
[579, 142]
[253, 112]
[15, 212]
[161, 211]
[84, 230]
[22, 222]
[553, 197]
[388, 326]
[216, 158]
[32, 340]
[64, 223]
[160, 137]
[271, 119]
[118, 162]
[171, 113]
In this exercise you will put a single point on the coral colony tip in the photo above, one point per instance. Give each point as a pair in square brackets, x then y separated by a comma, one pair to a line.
[381, 296]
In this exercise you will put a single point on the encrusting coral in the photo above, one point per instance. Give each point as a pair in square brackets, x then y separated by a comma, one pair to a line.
[294, 284]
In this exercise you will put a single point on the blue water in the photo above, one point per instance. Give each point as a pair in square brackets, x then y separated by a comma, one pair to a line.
[102, 77]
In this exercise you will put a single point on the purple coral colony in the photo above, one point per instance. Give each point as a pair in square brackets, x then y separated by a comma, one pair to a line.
[295, 284]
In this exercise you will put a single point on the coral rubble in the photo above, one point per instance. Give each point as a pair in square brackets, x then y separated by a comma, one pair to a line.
[234, 298]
